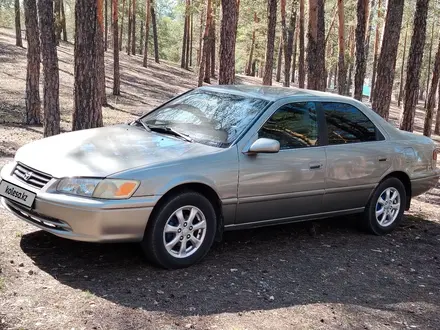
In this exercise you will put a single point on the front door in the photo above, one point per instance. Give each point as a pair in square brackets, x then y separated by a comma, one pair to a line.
[291, 182]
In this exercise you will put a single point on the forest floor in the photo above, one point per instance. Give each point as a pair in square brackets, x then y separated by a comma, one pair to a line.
[325, 275]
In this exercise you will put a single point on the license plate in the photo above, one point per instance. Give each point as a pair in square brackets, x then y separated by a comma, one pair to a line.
[17, 194]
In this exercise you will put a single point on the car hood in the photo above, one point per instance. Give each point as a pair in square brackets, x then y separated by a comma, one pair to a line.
[104, 151]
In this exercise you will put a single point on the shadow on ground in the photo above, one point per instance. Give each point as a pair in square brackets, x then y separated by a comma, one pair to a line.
[261, 269]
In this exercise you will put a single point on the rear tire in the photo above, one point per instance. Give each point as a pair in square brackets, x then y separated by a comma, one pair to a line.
[181, 231]
[385, 208]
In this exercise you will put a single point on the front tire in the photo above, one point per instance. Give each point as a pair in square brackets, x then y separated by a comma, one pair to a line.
[384, 211]
[181, 231]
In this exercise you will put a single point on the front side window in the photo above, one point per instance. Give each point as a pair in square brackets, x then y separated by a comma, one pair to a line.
[294, 125]
[208, 117]
[347, 124]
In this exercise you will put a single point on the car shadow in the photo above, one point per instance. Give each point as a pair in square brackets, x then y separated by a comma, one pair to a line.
[329, 261]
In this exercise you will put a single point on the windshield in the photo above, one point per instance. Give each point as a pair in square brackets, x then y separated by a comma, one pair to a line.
[208, 117]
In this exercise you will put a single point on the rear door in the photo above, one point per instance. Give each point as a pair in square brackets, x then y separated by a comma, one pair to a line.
[357, 156]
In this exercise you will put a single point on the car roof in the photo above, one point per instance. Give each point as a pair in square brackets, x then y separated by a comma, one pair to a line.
[271, 93]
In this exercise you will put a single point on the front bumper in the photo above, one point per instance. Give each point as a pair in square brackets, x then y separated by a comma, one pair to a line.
[83, 219]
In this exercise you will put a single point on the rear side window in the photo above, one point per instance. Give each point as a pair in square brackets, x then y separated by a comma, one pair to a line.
[347, 124]
[294, 125]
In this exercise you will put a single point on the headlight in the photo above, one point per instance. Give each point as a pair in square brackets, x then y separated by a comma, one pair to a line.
[99, 188]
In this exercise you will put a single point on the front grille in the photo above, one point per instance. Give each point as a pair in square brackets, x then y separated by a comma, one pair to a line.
[32, 177]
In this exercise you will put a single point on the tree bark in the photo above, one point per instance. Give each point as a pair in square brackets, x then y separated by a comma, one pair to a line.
[212, 51]
[129, 28]
[387, 59]
[116, 76]
[87, 112]
[199, 52]
[295, 47]
[301, 64]
[376, 48]
[226, 74]
[122, 25]
[57, 14]
[251, 51]
[141, 38]
[133, 29]
[185, 36]
[204, 46]
[427, 129]
[155, 42]
[271, 25]
[279, 59]
[437, 118]
[351, 43]
[191, 38]
[399, 99]
[342, 72]
[18, 41]
[33, 103]
[188, 36]
[63, 21]
[147, 31]
[106, 26]
[100, 50]
[316, 48]
[431, 42]
[359, 76]
[415, 57]
[288, 32]
[51, 105]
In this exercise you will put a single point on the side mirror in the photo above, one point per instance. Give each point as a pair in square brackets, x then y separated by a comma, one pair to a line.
[263, 145]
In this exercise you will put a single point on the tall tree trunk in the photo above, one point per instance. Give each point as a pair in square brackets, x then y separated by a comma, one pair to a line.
[57, 14]
[427, 129]
[288, 32]
[185, 36]
[226, 74]
[33, 103]
[431, 43]
[212, 52]
[351, 42]
[63, 21]
[359, 76]
[188, 36]
[415, 57]
[199, 52]
[141, 38]
[316, 48]
[301, 64]
[207, 49]
[191, 39]
[51, 106]
[204, 47]
[251, 51]
[18, 41]
[133, 29]
[295, 47]
[376, 48]
[116, 76]
[129, 28]
[387, 59]
[106, 26]
[155, 42]
[341, 43]
[100, 54]
[147, 31]
[399, 99]
[122, 25]
[437, 118]
[87, 112]
[271, 25]
[279, 59]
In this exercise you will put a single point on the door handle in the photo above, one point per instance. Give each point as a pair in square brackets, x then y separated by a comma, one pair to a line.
[313, 166]
[383, 159]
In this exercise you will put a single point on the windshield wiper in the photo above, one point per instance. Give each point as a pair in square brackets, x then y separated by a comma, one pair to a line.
[169, 130]
[138, 121]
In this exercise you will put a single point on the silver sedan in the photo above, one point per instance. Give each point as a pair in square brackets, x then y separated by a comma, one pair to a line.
[215, 159]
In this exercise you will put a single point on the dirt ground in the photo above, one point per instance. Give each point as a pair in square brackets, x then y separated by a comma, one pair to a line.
[321, 275]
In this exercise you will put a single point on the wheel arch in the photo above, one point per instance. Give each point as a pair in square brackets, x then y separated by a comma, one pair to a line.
[404, 178]
[199, 187]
